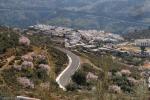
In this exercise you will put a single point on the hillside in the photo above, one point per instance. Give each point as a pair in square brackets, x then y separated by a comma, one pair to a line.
[27, 69]
[30, 63]
[116, 16]
[142, 34]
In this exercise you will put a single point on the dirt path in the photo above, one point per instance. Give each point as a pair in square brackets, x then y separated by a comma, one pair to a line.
[6, 66]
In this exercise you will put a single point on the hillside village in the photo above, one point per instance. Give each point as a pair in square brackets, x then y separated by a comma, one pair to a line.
[37, 58]
[78, 37]
[74, 49]
[94, 41]
[89, 40]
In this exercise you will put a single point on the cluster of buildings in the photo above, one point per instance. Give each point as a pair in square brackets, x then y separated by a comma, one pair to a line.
[143, 44]
[91, 39]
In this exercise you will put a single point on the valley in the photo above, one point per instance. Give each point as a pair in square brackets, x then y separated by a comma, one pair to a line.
[74, 49]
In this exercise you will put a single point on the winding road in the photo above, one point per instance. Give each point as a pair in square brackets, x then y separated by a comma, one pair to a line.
[64, 77]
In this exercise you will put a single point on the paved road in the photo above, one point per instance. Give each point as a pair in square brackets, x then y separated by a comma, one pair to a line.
[74, 62]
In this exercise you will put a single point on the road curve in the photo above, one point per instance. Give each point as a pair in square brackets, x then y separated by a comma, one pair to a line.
[64, 77]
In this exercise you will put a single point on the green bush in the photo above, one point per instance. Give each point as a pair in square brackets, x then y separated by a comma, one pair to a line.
[79, 77]
[123, 82]
[71, 87]
[8, 40]
[41, 75]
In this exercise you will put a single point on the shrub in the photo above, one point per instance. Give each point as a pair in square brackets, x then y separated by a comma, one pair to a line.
[114, 89]
[24, 41]
[71, 87]
[124, 83]
[79, 77]
[42, 75]
[25, 82]
[8, 40]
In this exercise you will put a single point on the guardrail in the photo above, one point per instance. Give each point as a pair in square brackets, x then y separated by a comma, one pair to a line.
[25, 98]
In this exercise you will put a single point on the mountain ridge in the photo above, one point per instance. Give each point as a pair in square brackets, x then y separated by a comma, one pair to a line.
[109, 15]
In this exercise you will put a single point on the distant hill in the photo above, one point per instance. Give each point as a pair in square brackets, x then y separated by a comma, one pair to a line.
[118, 16]
[143, 34]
